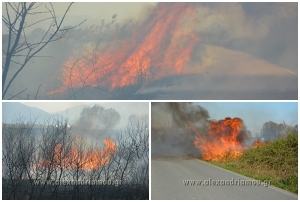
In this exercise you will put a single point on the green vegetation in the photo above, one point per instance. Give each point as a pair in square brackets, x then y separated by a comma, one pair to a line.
[276, 161]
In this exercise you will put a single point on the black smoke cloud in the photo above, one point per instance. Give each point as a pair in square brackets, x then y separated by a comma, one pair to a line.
[170, 134]
[174, 127]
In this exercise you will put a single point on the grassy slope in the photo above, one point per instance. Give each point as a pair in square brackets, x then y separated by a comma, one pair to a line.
[276, 161]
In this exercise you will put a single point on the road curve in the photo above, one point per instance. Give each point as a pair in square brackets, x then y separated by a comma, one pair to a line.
[167, 175]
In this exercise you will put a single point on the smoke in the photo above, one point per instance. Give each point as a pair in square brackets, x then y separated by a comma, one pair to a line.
[240, 51]
[253, 28]
[98, 117]
[170, 128]
[179, 129]
[95, 123]
[108, 120]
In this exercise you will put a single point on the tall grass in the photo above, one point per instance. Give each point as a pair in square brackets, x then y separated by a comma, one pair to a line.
[276, 161]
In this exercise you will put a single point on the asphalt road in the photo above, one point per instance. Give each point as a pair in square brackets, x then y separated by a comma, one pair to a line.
[167, 175]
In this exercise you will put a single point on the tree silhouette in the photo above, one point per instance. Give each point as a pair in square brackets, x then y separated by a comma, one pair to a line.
[17, 48]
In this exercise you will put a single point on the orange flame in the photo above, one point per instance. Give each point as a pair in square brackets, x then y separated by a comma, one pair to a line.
[258, 143]
[222, 140]
[161, 46]
[83, 160]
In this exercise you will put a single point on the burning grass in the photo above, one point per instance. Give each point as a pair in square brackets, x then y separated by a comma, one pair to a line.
[161, 46]
[223, 140]
[84, 160]
[276, 161]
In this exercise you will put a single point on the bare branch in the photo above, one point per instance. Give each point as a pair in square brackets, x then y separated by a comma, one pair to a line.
[53, 15]
[15, 47]
[38, 22]
[36, 56]
[37, 91]
[67, 29]
[17, 94]
[37, 6]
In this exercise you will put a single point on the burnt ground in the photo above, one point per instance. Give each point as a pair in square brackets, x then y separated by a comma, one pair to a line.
[71, 192]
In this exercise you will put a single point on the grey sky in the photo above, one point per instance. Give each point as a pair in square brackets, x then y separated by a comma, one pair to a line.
[52, 107]
[94, 12]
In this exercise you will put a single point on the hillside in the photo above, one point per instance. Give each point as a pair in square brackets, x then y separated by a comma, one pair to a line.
[12, 111]
[218, 60]
[224, 74]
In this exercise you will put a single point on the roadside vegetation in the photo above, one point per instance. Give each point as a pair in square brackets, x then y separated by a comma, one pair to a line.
[276, 160]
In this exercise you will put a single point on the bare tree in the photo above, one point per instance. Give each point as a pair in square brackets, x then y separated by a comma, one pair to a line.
[55, 146]
[18, 151]
[132, 161]
[19, 50]
[35, 157]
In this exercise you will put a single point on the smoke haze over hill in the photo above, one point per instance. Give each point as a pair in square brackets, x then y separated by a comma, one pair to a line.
[169, 51]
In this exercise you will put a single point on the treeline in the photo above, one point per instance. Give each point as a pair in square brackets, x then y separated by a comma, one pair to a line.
[32, 158]
[271, 130]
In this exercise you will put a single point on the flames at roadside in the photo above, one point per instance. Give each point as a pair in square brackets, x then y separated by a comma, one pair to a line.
[182, 128]
[162, 45]
[76, 158]
[224, 139]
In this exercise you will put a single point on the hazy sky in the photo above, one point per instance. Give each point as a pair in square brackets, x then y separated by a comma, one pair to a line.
[105, 10]
[254, 114]
[52, 107]
[95, 12]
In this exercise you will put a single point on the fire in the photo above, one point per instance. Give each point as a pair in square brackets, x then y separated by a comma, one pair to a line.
[161, 46]
[256, 143]
[222, 141]
[83, 160]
